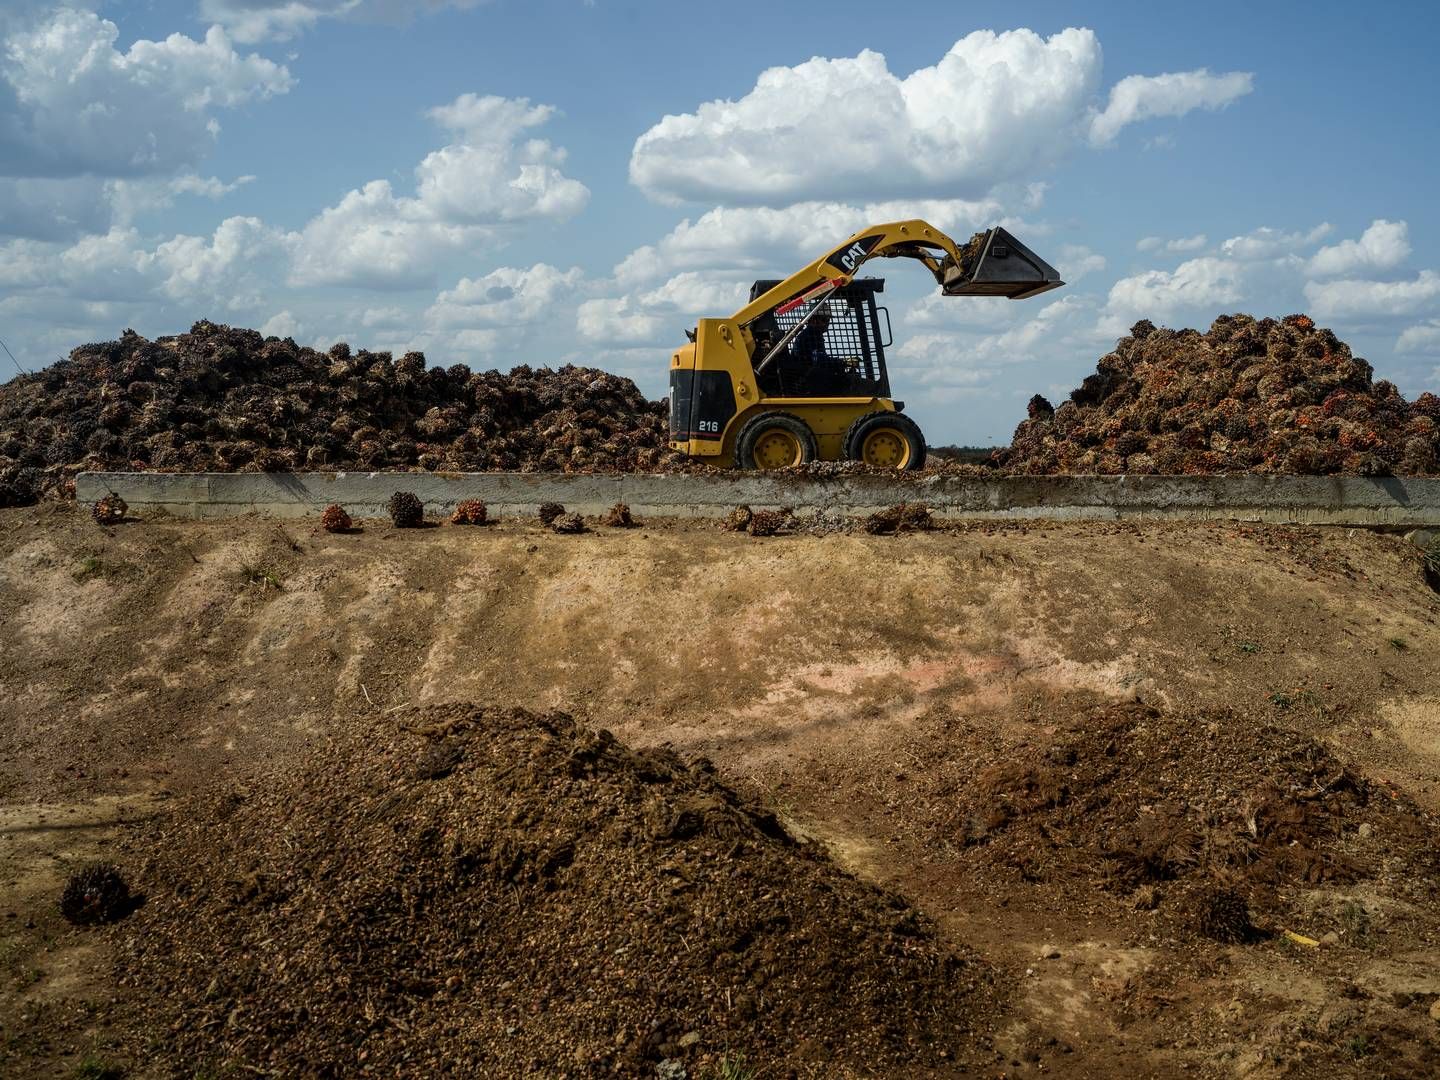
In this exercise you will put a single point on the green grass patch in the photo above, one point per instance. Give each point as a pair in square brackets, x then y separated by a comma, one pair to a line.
[89, 567]
[27, 978]
[1431, 557]
[1356, 921]
[1359, 1046]
[267, 577]
[732, 1067]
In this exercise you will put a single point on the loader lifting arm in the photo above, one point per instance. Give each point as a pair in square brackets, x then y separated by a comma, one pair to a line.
[992, 263]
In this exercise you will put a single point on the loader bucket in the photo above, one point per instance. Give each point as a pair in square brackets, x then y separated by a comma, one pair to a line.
[994, 263]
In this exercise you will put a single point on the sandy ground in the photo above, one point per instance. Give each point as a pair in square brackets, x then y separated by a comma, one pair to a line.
[833, 675]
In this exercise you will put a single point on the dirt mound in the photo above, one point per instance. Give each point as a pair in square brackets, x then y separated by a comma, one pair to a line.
[224, 399]
[1185, 814]
[1267, 395]
[509, 894]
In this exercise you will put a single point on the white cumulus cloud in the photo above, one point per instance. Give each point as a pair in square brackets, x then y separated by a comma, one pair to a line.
[1385, 244]
[660, 316]
[1144, 97]
[990, 110]
[283, 324]
[997, 107]
[1075, 261]
[508, 296]
[1181, 245]
[229, 270]
[486, 178]
[226, 268]
[1423, 339]
[1030, 329]
[1364, 297]
[1268, 243]
[129, 199]
[72, 104]
[269, 20]
[1197, 283]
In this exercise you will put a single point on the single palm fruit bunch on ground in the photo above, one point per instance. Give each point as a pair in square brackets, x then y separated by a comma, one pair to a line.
[334, 518]
[619, 517]
[548, 512]
[903, 517]
[95, 894]
[738, 520]
[766, 522]
[468, 512]
[1220, 911]
[110, 510]
[568, 523]
[406, 510]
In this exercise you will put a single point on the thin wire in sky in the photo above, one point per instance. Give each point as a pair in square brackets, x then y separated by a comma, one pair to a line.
[12, 357]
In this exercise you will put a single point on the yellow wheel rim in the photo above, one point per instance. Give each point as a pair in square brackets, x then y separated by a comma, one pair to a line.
[886, 447]
[777, 449]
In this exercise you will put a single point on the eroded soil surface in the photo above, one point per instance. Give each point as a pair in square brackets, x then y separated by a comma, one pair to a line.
[1109, 765]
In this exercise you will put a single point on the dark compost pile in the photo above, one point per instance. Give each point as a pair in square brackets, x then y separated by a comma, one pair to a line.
[509, 894]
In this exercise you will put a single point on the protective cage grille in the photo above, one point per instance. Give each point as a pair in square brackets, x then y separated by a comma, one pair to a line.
[844, 358]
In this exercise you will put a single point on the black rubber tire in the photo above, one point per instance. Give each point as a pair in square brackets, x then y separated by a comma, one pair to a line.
[754, 428]
[855, 437]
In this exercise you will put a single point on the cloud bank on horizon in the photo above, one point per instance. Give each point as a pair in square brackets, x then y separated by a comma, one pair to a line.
[99, 144]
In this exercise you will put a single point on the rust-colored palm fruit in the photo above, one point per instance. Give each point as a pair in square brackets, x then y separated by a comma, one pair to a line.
[95, 894]
[468, 512]
[568, 523]
[334, 518]
[110, 510]
[226, 399]
[766, 522]
[1247, 395]
[738, 520]
[619, 517]
[902, 517]
[406, 510]
[548, 512]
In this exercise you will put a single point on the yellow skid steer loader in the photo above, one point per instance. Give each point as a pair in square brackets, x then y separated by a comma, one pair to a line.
[798, 374]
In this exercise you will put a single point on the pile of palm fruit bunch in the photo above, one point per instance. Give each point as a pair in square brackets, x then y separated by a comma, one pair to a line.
[226, 400]
[1250, 395]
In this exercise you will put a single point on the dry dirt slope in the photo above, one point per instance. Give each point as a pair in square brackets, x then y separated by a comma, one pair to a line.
[851, 681]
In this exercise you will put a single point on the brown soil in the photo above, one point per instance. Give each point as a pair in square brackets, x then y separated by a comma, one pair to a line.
[935, 709]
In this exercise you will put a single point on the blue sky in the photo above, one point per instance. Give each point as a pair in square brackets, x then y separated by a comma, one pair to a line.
[539, 182]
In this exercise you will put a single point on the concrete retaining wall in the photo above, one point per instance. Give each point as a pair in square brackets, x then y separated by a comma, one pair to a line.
[1319, 500]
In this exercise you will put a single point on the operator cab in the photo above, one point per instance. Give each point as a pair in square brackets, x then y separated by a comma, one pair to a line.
[838, 352]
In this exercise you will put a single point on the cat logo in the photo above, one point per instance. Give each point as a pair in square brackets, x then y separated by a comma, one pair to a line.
[849, 260]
